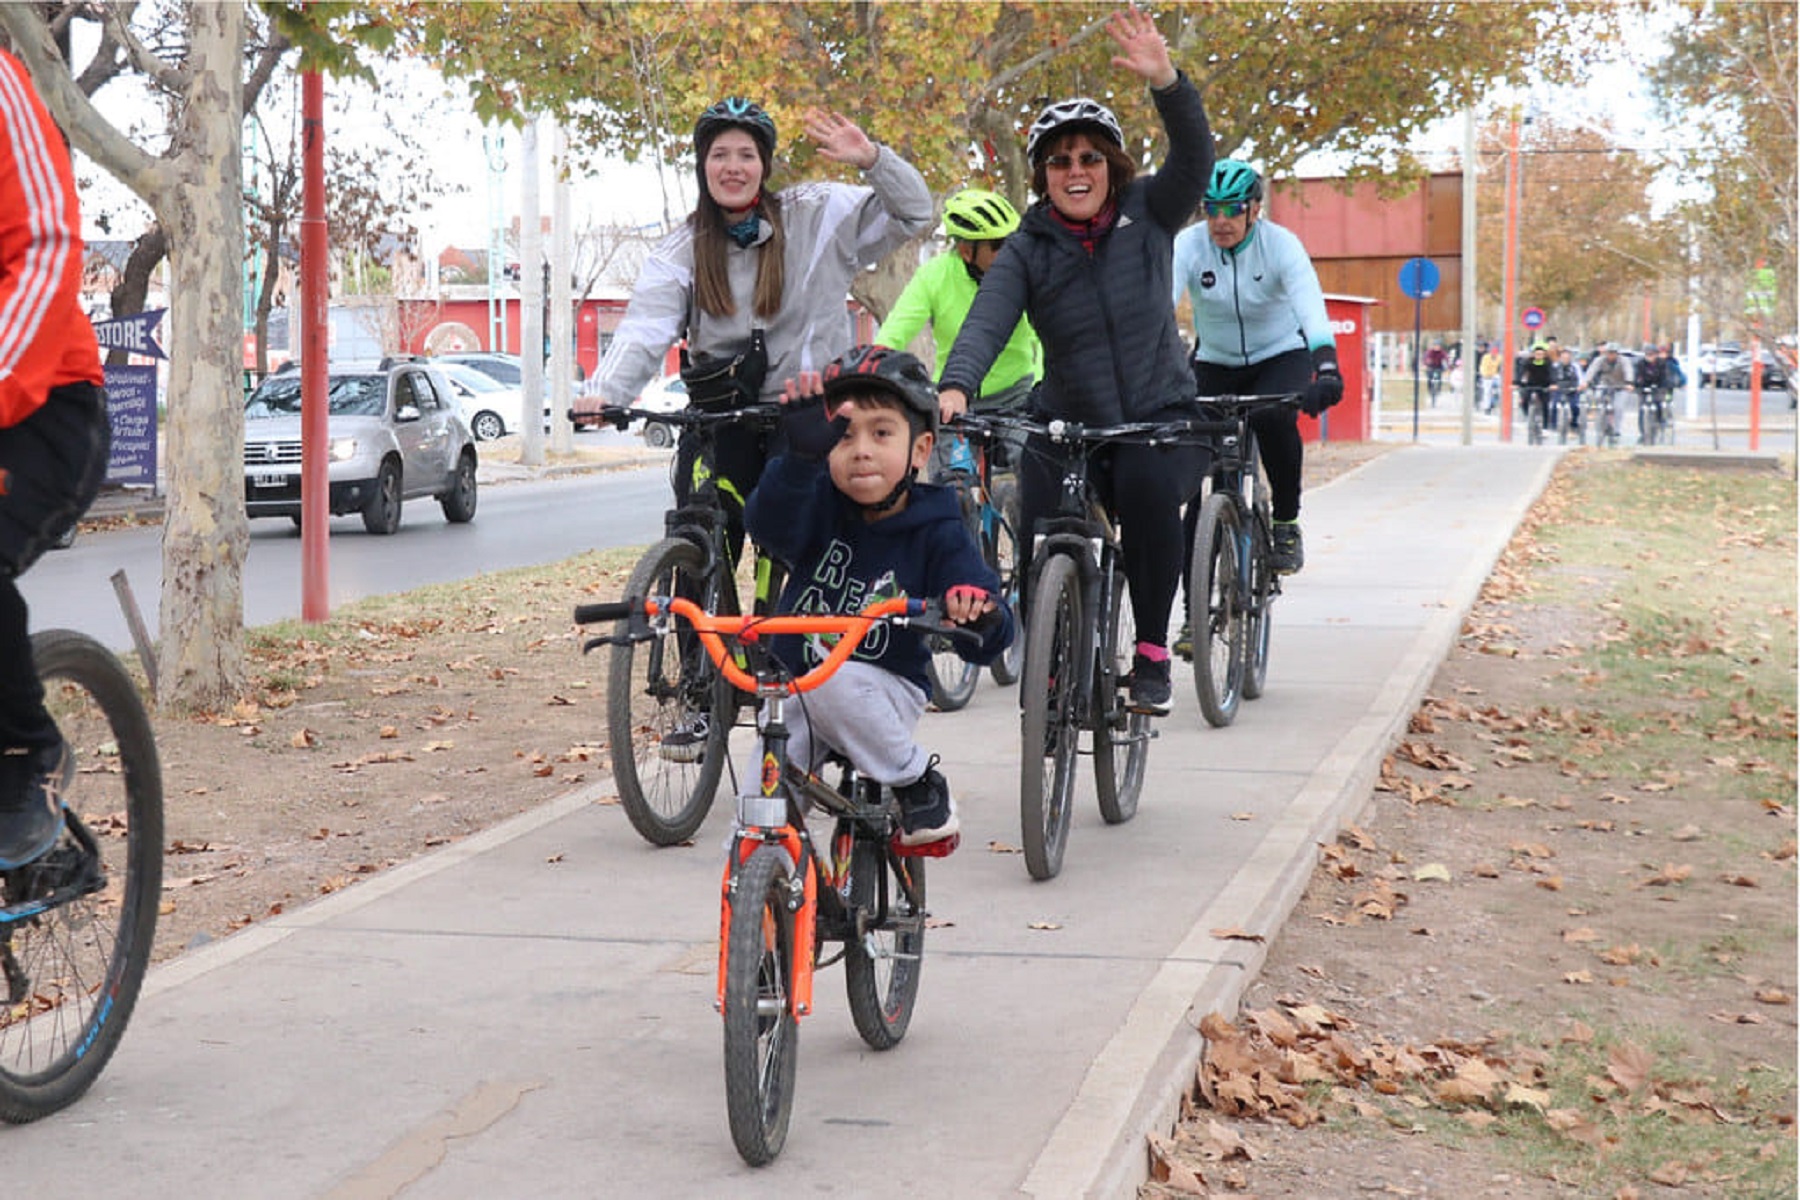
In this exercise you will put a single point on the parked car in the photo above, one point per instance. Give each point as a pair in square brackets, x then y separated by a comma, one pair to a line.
[1737, 375]
[492, 409]
[501, 368]
[1714, 360]
[667, 393]
[394, 435]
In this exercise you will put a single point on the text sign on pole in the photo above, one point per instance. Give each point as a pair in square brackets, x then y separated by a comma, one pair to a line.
[1418, 278]
[131, 407]
[134, 333]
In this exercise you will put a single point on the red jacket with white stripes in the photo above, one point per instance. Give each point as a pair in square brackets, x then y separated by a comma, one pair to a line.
[45, 338]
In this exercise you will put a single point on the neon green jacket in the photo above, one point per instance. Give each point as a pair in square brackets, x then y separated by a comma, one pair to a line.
[939, 295]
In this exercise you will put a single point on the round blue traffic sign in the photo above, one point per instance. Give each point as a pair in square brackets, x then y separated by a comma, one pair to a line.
[1533, 318]
[1418, 278]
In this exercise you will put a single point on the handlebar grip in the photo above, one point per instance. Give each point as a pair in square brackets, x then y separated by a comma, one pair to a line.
[606, 610]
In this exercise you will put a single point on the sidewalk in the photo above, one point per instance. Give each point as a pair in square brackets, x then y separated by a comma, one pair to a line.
[529, 1012]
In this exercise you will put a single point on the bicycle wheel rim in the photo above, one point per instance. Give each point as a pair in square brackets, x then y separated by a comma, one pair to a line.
[952, 678]
[657, 688]
[761, 1034]
[1121, 738]
[73, 971]
[1259, 621]
[1218, 617]
[1002, 548]
[881, 966]
[1050, 725]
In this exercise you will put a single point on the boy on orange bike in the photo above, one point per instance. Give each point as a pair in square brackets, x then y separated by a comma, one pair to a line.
[844, 508]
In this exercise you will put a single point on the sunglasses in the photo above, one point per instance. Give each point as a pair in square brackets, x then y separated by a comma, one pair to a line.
[1217, 208]
[1062, 162]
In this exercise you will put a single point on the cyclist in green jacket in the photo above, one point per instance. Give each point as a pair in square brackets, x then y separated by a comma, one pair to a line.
[940, 292]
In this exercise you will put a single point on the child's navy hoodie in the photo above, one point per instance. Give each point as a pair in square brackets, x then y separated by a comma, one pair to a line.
[839, 563]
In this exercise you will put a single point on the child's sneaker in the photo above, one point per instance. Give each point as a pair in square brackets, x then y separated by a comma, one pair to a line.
[927, 814]
[31, 787]
[686, 743]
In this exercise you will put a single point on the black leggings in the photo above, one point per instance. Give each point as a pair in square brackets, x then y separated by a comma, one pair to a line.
[51, 465]
[1277, 433]
[1144, 488]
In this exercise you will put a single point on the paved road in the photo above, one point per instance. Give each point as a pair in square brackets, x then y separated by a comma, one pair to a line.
[529, 1012]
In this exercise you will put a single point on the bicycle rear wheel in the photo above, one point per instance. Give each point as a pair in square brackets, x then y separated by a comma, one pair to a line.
[1534, 423]
[1121, 737]
[1050, 732]
[1001, 546]
[882, 955]
[1217, 615]
[80, 922]
[1259, 618]
[668, 710]
[762, 1038]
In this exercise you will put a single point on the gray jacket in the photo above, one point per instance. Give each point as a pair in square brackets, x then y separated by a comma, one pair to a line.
[834, 230]
[1112, 351]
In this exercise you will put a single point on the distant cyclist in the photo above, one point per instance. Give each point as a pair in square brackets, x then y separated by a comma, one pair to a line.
[940, 292]
[1533, 378]
[1565, 392]
[1607, 376]
[53, 438]
[1259, 328]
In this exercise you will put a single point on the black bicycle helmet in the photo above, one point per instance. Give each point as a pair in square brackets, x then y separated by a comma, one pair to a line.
[893, 371]
[1080, 113]
[735, 112]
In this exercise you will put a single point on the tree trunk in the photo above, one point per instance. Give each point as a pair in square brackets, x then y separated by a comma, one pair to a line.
[205, 532]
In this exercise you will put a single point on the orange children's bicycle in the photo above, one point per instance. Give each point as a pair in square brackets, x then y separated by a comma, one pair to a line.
[782, 902]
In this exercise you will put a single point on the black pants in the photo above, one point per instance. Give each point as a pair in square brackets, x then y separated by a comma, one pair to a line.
[1277, 433]
[1144, 488]
[739, 455]
[51, 465]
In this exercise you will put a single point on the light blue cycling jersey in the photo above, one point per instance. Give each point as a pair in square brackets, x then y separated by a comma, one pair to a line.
[1259, 299]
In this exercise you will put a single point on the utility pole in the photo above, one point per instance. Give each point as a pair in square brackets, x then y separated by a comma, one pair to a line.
[1470, 360]
[562, 333]
[531, 303]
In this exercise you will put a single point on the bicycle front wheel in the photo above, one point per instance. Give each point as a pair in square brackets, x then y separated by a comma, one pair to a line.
[883, 952]
[1218, 615]
[79, 923]
[952, 677]
[668, 710]
[1121, 737]
[762, 1038]
[1259, 617]
[1001, 546]
[1050, 729]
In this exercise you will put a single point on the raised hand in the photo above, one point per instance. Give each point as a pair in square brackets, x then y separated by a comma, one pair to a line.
[1142, 49]
[839, 138]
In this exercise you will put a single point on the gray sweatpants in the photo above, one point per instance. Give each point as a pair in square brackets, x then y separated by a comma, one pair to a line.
[866, 714]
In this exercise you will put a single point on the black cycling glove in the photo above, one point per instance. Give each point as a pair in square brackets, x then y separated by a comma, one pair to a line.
[1327, 387]
[809, 434]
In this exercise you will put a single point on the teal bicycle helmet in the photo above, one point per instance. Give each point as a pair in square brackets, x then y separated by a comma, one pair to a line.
[978, 215]
[1233, 182]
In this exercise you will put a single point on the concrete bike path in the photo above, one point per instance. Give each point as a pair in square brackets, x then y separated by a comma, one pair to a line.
[529, 1012]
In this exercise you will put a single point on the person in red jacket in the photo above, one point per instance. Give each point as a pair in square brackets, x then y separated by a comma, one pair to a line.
[54, 438]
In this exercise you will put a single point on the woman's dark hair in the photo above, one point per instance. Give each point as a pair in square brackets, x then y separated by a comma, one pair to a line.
[712, 281]
[1120, 169]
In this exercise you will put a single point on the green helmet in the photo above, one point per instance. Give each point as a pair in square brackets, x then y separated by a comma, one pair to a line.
[977, 215]
[1234, 182]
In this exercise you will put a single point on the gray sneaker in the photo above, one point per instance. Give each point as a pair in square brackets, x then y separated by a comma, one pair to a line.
[31, 786]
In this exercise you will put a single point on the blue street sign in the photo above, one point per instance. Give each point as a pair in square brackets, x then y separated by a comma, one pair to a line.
[1418, 278]
[1533, 318]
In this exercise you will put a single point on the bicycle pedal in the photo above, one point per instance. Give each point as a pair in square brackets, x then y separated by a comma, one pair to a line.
[941, 848]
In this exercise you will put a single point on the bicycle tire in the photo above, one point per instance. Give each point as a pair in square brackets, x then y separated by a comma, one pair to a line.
[1219, 629]
[1534, 424]
[1002, 550]
[1121, 737]
[952, 677]
[651, 689]
[762, 1037]
[73, 970]
[882, 957]
[1259, 620]
[1049, 733]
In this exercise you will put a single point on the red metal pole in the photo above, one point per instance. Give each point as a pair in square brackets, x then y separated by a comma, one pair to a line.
[1756, 392]
[315, 427]
[1508, 346]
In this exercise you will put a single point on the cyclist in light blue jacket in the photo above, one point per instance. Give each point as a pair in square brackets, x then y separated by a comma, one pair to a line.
[1259, 328]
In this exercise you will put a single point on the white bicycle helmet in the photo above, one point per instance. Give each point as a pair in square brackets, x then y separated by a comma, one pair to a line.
[1079, 111]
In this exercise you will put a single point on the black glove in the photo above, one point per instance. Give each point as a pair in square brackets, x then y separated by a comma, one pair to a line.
[809, 435]
[1327, 387]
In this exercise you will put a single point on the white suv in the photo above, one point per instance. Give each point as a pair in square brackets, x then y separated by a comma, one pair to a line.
[394, 435]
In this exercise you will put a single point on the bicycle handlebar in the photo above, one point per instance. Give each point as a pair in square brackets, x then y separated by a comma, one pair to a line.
[619, 416]
[713, 630]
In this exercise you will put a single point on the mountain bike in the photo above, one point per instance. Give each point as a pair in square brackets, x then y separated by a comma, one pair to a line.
[782, 901]
[990, 509]
[1566, 419]
[1601, 413]
[1534, 415]
[1077, 646]
[669, 714]
[1654, 426]
[77, 925]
